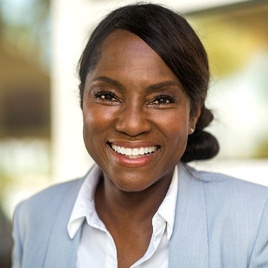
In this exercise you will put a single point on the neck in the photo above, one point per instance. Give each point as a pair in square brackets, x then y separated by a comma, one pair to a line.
[113, 204]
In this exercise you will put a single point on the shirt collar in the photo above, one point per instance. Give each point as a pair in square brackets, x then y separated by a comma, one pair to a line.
[168, 206]
[84, 205]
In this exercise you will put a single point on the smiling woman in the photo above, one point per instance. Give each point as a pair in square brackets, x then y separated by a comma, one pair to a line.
[144, 77]
[137, 102]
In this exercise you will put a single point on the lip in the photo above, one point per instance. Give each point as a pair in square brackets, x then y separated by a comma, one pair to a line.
[137, 160]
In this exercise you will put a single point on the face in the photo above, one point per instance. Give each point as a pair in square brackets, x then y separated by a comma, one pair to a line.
[136, 114]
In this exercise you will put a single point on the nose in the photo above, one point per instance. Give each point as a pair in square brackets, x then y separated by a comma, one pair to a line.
[133, 120]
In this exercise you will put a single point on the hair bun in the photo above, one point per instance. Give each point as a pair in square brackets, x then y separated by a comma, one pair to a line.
[205, 118]
[201, 145]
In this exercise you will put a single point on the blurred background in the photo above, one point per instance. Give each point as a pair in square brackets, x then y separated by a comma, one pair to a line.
[40, 118]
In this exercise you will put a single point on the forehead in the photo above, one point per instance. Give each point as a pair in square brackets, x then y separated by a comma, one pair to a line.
[125, 43]
[118, 36]
[123, 50]
[125, 57]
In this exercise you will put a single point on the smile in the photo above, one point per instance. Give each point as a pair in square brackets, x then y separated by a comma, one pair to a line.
[134, 152]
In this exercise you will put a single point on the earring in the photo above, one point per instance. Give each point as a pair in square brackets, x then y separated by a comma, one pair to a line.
[192, 130]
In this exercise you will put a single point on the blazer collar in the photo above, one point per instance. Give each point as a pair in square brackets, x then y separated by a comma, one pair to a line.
[62, 250]
[189, 241]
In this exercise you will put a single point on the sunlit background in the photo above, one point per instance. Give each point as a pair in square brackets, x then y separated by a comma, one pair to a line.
[40, 119]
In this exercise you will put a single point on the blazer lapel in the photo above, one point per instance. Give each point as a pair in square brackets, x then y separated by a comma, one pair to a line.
[62, 250]
[189, 241]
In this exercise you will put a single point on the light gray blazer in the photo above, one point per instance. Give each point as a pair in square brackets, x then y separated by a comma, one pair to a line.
[220, 222]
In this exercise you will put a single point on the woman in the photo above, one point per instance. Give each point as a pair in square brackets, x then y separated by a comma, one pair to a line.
[144, 77]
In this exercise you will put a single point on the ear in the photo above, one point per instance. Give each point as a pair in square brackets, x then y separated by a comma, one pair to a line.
[194, 116]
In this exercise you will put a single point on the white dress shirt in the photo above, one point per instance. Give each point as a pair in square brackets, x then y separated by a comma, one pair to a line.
[97, 247]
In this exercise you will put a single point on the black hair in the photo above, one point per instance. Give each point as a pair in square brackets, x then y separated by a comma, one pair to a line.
[174, 40]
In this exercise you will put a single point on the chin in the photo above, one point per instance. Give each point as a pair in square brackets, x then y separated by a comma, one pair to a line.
[132, 185]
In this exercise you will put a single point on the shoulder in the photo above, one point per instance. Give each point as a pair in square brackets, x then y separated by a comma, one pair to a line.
[47, 201]
[54, 193]
[36, 217]
[236, 214]
[228, 185]
[229, 196]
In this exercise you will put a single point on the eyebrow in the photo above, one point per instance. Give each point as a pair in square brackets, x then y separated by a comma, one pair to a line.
[110, 81]
[153, 87]
[163, 84]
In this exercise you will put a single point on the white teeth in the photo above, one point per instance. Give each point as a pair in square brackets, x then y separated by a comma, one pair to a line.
[135, 151]
[141, 151]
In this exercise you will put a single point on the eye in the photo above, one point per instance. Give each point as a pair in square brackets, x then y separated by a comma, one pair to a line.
[106, 96]
[163, 100]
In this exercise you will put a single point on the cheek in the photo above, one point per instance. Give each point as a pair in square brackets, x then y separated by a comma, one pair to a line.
[176, 131]
[95, 119]
[175, 124]
[91, 123]
[92, 128]
[178, 136]
[93, 131]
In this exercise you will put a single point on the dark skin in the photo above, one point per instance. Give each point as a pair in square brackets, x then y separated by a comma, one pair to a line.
[128, 217]
[133, 102]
